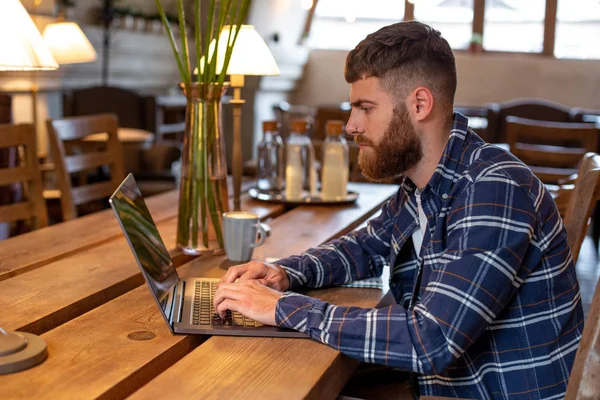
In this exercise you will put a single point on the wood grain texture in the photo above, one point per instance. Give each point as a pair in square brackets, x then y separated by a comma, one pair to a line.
[47, 297]
[93, 356]
[551, 149]
[263, 368]
[584, 382]
[582, 200]
[27, 175]
[24, 253]
[61, 132]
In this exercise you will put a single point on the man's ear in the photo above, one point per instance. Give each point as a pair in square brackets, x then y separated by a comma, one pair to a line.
[420, 103]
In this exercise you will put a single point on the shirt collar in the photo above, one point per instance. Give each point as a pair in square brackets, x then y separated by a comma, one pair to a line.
[443, 177]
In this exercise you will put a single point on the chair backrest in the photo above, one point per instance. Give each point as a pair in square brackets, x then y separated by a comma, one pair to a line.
[5, 109]
[551, 149]
[583, 381]
[65, 132]
[133, 110]
[326, 113]
[582, 200]
[530, 108]
[482, 120]
[585, 115]
[26, 173]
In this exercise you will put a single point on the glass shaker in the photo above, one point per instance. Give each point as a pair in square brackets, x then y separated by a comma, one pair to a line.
[271, 164]
[334, 174]
[300, 173]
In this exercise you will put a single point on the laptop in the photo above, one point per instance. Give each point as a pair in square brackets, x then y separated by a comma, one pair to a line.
[185, 304]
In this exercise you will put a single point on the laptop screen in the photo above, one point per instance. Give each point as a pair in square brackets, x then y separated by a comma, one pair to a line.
[146, 243]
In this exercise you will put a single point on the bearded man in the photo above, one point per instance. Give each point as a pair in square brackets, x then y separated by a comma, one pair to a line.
[487, 300]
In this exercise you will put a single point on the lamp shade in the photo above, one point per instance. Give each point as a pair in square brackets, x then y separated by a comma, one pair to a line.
[21, 45]
[250, 56]
[68, 44]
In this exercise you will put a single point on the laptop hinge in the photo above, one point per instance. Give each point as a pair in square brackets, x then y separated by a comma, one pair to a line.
[178, 300]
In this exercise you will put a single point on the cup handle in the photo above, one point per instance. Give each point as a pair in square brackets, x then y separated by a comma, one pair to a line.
[263, 235]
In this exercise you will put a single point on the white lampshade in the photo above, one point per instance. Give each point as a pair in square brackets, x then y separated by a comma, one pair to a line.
[250, 56]
[21, 45]
[68, 44]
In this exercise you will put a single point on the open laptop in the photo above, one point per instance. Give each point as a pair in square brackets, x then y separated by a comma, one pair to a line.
[187, 304]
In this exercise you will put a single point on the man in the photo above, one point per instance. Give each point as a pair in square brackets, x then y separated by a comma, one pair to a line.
[488, 303]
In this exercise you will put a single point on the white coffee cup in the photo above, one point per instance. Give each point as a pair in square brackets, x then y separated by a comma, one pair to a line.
[241, 231]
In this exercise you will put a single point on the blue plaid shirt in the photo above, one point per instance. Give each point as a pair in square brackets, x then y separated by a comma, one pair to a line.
[490, 308]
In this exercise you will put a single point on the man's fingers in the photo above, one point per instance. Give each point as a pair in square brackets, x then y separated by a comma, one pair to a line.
[224, 292]
[263, 282]
[251, 274]
[233, 273]
[224, 306]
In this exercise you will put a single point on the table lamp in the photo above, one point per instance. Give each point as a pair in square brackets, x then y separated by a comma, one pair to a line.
[250, 56]
[21, 49]
[68, 44]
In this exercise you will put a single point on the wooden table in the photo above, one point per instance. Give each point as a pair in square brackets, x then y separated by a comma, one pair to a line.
[77, 285]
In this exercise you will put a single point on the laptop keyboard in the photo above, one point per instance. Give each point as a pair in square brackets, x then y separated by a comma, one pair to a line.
[204, 312]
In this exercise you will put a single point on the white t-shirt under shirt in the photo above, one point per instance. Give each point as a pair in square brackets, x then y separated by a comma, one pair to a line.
[417, 236]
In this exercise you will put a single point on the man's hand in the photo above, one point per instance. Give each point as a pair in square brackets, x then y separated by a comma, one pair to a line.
[269, 275]
[249, 298]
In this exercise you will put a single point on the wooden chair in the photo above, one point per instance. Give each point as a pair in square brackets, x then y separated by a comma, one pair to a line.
[285, 113]
[578, 114]
[582, 199]
[326, 113]
[583, 382]
[530, 108]
[6, 157]
[132, 109]
[26, 173]
[68, 134]
[551, 149]
[485, 114]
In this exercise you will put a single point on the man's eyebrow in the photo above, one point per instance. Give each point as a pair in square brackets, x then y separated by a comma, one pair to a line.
[362, 102]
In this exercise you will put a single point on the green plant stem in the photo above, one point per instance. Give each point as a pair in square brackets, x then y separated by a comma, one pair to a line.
[165, 21]
[184, 42]
[201, 195]
[205, 170]
[245, 5]
[198, 39]
[207, 39]
[193, 200]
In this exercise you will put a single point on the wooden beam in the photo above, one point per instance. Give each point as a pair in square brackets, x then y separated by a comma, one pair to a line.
[550, 27]
[308, 23]
[478, 16]
[409, 11]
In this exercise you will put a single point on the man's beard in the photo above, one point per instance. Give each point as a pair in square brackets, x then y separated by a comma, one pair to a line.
[398, 151]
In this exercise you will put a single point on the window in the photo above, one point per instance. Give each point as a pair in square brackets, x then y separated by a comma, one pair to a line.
[508, 25]
[453, 18]
[514, 25]
[578, 29]
[340, 25]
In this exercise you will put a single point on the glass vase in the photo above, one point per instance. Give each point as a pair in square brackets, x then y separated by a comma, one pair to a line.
[203, 196]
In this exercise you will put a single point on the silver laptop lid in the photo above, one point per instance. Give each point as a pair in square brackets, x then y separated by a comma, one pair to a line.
[146, 244]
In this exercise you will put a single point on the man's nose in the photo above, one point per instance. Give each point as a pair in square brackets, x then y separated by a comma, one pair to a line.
[351, 126]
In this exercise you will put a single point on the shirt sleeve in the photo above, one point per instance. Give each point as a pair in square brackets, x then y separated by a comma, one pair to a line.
[470, 283]
[360, 254]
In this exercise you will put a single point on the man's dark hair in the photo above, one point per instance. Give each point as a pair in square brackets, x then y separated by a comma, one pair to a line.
[403, 56]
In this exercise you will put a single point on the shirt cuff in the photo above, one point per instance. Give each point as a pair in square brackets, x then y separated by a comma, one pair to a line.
[292, 311]
[296, 274]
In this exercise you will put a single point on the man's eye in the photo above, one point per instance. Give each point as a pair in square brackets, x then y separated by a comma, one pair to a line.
[365, 109]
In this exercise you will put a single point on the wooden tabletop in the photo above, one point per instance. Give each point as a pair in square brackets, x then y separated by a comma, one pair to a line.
[78, 286]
